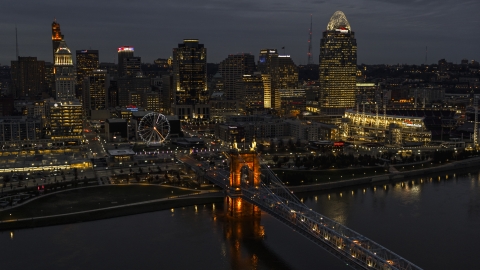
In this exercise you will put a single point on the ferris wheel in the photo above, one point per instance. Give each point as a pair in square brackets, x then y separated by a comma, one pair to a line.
[154, 128]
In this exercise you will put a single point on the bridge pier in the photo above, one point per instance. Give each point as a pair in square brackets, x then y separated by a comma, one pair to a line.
[236, 207]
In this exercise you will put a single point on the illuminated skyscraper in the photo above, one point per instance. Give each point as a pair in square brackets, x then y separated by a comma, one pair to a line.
[57, 37]
[190, 80]
[87, 62]
[338, 66]
[123, 53]
[64, 73]
[65, 122]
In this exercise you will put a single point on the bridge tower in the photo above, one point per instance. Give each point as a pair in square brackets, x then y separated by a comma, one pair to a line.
[244, 172]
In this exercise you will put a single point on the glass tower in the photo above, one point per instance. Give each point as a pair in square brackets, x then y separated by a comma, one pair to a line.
[338, 66]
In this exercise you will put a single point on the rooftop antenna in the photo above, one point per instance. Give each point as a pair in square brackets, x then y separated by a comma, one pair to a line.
[309, 54]
[16, 42]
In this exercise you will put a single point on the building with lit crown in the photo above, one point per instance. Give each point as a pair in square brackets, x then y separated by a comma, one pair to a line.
[338, 66]
[123, 53]
[64, 73]
[57, 37]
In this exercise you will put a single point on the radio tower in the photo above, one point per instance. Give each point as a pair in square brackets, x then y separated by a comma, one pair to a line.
[16, 42]
[309, 54]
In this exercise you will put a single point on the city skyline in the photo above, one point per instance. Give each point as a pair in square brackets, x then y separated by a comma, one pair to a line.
[390, 33]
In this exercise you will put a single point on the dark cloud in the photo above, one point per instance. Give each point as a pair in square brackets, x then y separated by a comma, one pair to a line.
[387, 31]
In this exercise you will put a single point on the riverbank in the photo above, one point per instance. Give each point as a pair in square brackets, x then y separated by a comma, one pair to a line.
[107, 212]
[217, 197]
[392, 177]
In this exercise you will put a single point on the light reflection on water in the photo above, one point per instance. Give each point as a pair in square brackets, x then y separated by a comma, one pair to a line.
[432, 221]
[414, 215]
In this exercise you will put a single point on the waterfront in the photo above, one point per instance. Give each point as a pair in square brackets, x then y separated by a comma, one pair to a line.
[430, 221]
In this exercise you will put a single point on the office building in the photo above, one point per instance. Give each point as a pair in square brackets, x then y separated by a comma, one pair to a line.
[65, 122]
[130, 67]
[131, 85]
[28, 77]
[123, 53]
[287, 73]
[87, 62]
[95, 96]
[190, 80]
[19, 128]
[232, 70]
[283, 74]
[252, 89]
[338, 66]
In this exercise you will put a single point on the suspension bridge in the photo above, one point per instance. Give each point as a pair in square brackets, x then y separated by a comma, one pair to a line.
[250, 181]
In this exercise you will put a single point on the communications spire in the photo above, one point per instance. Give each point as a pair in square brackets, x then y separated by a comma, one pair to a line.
[16, 43]
[309, 54]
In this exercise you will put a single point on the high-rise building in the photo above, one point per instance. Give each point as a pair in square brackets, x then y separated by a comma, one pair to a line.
[123, 52]
[131, 66]
[65, 122]
[28, 77]
[131, 85]
[95, 96]
[167, 94]
[338, 66]
[253, 91]
[190, 80]
[87, 62]
[287, 73]
[232, 69]
[283, 74]
[64, 73]
[57, 37]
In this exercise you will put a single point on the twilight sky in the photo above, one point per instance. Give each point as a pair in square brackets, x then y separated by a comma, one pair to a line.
[387, 31]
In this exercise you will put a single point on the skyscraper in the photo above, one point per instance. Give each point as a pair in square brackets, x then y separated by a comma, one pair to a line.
[287, 73]
[64, 73]
[56, 37]
[190, 80]
[269, 64]
[338, 66]
[232, 69]
[87, 62]
[123, 53]
[95, 94]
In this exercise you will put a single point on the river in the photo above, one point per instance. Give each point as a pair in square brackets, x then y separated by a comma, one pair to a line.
[431, 221]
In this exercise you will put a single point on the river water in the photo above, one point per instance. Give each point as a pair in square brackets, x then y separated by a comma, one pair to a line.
[432, 221]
